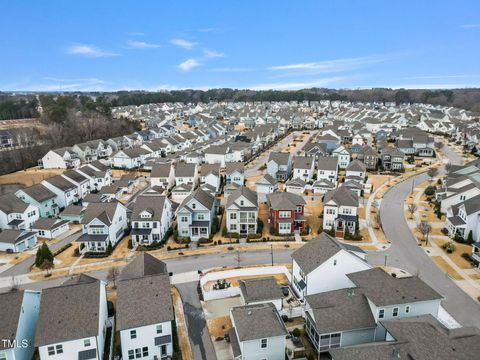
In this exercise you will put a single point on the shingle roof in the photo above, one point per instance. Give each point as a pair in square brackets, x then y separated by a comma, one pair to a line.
[10, 309]
[9, 203]
[250, 195]
[39, 193]
[284, 201]
[102, 211]
[202, 196]
[143, 265]
[257, 322]
[342, 196]
[383, 289]
[10, 236]
[341, 310]
[154, 204]
[327, 163]
[315, 252]
[185, 170]
[231, 167]
[161, 170]
[356, 165]
[303, 162]
[280, 158]
[69, 312]
[61, 183]
[262, 289]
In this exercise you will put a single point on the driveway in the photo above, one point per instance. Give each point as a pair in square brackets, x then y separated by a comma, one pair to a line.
[405, 253]
[200, 340]
[24, 266]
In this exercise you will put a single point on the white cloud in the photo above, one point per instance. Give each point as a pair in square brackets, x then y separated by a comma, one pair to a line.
[183, 43]
[336, 65]
[440, 77]
[296, 85]
[470, 26]
[89, 51]
[142, 45]
[227, 69]
[212, 54]
[188, 65]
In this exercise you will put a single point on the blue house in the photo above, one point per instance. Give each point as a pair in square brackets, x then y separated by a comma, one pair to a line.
[43, 198]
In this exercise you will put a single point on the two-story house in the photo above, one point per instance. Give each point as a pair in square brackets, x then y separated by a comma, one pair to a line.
[279, 165]
[323, 263]
[151, 218]
[186, 174]
[196, 214]
[286, 212]
[235, 173]
[327, 168]
[19, 313]
[102, 223]
[392, 159]
[340, 211]
[343, 156]
[82, 182]
[464, 218]
[66, 191]
[162, 175]
[303, 168]
[131, 158]
[369, 157]
[210, 175]
[145, 316]
[15, 214]
[41, 197]
[356, 170]
[62, 158]
[73, 320]
[258, 332]
[242, 211]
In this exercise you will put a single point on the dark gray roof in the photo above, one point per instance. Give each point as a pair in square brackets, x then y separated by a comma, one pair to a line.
[10, 236]
[202, 196]
[73, 210]
[383, 289]
[206, 169]
[161, 170]
[356, 165]
[48, 223]
[69, 312]
[232, 334]
[284, 201]
[268, 178]
[315, 252]
[154, 204]
[231, 167]
[250, 195]
[10, 309]
[39, 193]
[102, 211]
[61, 183]
[75, 176]
[341, 310]
[327, 163]
[281, 158]
[185, 170]
[262, 289]
[257, 322]
[303, 162]
[143, 265]
[342, 196]
[9, 203]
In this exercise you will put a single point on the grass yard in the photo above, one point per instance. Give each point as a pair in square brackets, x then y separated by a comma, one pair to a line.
[442, 263]
[313, 209]
[29, 177]
[456, 256]
[219, 326]
[281, 280]
[183, 341]
[377, 180]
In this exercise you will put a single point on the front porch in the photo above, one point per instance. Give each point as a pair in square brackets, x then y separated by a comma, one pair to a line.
[92, 243]
[344, 222]
[199, 229]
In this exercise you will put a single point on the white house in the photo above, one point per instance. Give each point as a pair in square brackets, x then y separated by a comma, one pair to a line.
[464, 218]
[303, 168]
[180, 192]
[242, 211]
[234, 173]
[145, 286]
[186, 174]
[295, 186]
[102, 223]
[327, 168]
[66, 191]
[343, 156]
[82, 182]
[356, 170]
[268, 341]
[130, 158]
[162, 175]
[66, 334]
[15, 214]
[62, 158]
[210, 174]
[323, 264]
[340, 211]
[196, 214]
[38, 195]
[261, 290]
[279, 165]
[17, 240]
[151, 219]
[266, 185]
[50, 228]
[19, 312]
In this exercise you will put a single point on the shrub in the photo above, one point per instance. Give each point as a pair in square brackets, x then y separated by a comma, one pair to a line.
[62, 249]
[169, 248]
[449, 247]
[466, 256]
[219, 242]
[130, 244]
[296, 332]
[444, 231]
[430, 190]
[259, 226]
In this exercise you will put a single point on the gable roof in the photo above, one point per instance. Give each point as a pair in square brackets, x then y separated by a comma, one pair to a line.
[327, 163]
[383, 289]
[280, 158]
[143, 265]
[356, 165]
[10, 309]
[39, 193]
[185, 170]
[161, 170]
[9, 203]
[284, 201]
[101, 211]
[205, 198]
[315, 252]
[154, 204]
[303, 162]
[261, 289]
[342, 196]
[69, 312]
[231, 167]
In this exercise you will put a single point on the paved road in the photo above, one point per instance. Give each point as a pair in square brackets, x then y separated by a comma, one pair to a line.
[24, 266]
[202, 346]
[406, 254]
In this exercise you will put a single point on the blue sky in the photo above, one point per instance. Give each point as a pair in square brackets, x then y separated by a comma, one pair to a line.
[151, 45]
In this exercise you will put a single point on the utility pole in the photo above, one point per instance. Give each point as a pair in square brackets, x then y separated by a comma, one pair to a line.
[271, 252]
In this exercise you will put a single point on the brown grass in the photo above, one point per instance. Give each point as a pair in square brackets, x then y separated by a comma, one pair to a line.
[313, 209]
[281, 280]
[219, 326]
[456, 256]
[442, 263]
[29, 177]
[182, 332]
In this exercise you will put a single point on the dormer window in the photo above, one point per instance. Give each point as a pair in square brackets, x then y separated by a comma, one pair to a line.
[241, 202]
[194, 206]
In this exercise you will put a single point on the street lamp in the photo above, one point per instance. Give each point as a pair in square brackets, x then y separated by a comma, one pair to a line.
[385, 264]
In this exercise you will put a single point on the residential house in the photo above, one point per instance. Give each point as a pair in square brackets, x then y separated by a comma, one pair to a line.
[286, 212]
[66, 334]
[41, 197]
[266, 185]
[327, 168]
[151, 218]
[210, 175]
[331, 142]
[295, 186]
[66, 191]
[73, 213]
[392, 159]
[147, 332]
[463, 219]
[315, 150]
[15, 214]
[196, 214]
[356, 170]
[63, 158]
[303, 168]
[369, 157]
[323, 186]
[235, 173]
[260, 291]
[50, 228]
[258, 332]
[180, 192]
[102, 224]
[131, 158]
[242, 211]
[343, 156]
[163, 175]
[19, 313]
[186, 174]
[17, 240]
[323, 263]
[340, 211]
[279, 165]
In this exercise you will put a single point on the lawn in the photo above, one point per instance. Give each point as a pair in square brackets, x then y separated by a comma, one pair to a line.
[219, 326]
[442, 263]
[281, 279]
[29, 177]
[313, 209]
[456, 256]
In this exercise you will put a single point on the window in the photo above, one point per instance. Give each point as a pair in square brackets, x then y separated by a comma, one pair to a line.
[201, 217]
[264, 343]
[395, 312]
[3, 356]
[407, 309]
[59, 349]
[145, 351]
[284, 214]
[381, 313]
[138, 353]
[241, 202]
[51, 350]
[184, 219]
[233, 216]
[194, 206]
[335, 262]
[159, 329]
[330, 341]
[233, 227]
[86, 342]
[133, 334]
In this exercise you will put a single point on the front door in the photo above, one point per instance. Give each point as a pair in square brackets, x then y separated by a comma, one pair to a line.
[243, 228]
[163, 351]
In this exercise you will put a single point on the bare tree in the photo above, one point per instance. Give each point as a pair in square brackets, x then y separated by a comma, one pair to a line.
[425, 228]
[47, 265]
[448, 166]
[112, 275]
[411, 209]
[432, 172]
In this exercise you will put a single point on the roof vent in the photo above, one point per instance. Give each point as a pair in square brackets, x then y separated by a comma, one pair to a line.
[249, 312]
